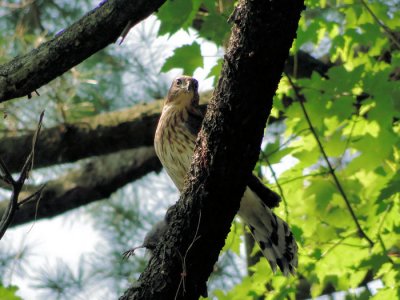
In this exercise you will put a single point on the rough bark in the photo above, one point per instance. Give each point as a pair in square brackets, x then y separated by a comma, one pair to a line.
[95, 180]
[97, 29]
[226, 152]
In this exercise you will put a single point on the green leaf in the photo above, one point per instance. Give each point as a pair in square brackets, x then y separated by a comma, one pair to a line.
[177, 14]
[8, 293]
[387, 293]
[187, 57]
[342, 107]
[216, 71]
[233, 240]
[297, 232]
[333, 144]
[342, 80]
[322, 190]
[374, 262]
[275, 152]
[393, 187]
[372, 157]
[215, 28]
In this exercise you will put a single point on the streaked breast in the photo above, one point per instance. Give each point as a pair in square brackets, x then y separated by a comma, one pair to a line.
[174, 144]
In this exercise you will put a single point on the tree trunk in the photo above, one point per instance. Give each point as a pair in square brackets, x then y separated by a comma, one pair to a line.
[226, 152]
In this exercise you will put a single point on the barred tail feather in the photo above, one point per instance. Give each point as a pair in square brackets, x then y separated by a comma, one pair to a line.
[270, 232]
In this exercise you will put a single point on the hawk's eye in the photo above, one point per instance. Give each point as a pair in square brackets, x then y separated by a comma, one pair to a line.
[179, 82]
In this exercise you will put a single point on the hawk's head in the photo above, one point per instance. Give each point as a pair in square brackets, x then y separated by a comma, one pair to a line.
[183, 92]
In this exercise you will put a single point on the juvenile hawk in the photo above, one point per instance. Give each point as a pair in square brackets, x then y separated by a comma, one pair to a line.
[174, 143]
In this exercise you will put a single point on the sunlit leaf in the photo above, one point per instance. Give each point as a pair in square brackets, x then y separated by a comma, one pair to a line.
[8, 293]
[187, 57]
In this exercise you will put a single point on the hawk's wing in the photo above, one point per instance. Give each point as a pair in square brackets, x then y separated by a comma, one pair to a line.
[268, 197]
[195, 118]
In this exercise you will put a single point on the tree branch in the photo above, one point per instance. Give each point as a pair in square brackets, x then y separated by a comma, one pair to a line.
[99, 135]
[226, 151]
[102, 134]
[97, 29]
[97, 179]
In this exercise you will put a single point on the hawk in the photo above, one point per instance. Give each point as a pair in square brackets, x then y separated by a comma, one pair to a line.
[174, 144]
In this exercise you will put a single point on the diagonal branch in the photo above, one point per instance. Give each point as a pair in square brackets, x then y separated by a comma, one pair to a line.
[301, 100]
[95, 180]
[96, 30]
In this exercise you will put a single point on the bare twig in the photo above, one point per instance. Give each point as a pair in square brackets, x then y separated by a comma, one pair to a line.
[29, 161]
[18, 184]
[33, 197]
[279, 188]
[6, 177]
[379, 236]
[183, 259]
[334, 245]
[353, 126]
[303, 177]
[301, 99]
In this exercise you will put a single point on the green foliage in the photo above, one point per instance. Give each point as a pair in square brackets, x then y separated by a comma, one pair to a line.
[215, 28]
[208, 17]
[177, 14]
[8, 293]
[187, 57]
[233, 240]
[215, 71]
[354, 109]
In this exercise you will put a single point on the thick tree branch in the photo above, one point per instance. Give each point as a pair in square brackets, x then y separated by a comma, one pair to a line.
[99, 135]
[102, 134]
[97, 29]
[226, 152]
[95, 180]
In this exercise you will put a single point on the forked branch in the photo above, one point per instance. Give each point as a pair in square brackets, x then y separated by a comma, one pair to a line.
[16, 185]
